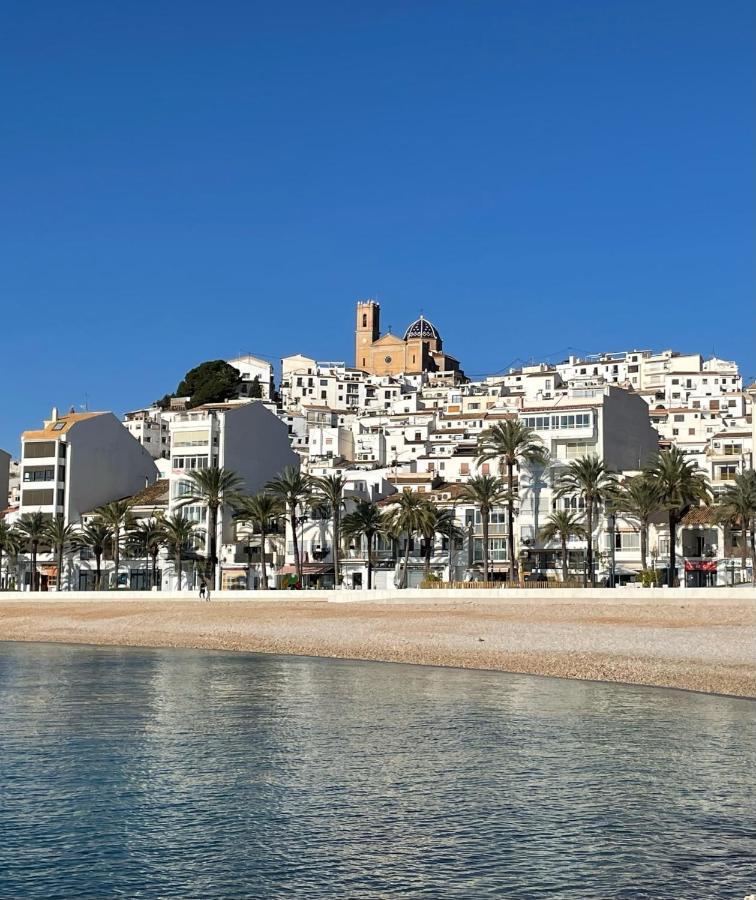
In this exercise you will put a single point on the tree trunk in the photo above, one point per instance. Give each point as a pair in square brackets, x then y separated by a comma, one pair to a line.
[370, 563]
[753, 551]
[1, 567]
[177, 567]
[589, 518]
[297, 561]
[405, 573]
[744, 544]
[263, 565]
[644, 544]
[154, 570]
[484, 518]
[564, 558]
[34, 581]
[672, 549]
[336, 538]
[212, 522]
[510, 521]
[59, 580]
[98, 571]
[428, 553]
[116, 552]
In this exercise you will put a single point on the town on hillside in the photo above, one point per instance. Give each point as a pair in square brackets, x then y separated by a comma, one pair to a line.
[629, 467]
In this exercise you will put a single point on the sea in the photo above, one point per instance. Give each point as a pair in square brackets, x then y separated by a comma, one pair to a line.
[148, 773]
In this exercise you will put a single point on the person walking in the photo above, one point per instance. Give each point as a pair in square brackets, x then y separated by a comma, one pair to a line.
[203, 592]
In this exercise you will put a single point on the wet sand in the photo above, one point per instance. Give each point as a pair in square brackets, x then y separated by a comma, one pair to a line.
[703, 645]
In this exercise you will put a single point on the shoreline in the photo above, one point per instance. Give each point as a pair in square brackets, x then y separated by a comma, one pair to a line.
[708, 646]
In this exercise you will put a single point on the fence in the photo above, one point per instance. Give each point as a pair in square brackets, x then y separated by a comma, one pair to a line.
[501, 585]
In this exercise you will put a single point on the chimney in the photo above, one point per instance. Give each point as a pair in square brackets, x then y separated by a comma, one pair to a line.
[54, 414]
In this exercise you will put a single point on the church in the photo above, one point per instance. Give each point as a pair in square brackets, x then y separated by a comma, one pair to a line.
[420, 350]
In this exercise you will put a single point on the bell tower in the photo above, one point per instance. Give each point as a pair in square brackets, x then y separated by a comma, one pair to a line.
[368, 331]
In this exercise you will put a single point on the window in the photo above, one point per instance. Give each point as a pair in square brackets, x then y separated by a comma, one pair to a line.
[39, 473]
[190, 462]
[678, 417]
[37, 497]
[39, 449]
[626, 540]
[497, 550]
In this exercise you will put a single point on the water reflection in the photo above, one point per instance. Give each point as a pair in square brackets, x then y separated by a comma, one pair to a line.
[151, 773]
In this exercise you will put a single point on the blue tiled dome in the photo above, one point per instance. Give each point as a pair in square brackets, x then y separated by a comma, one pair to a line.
[423, 329]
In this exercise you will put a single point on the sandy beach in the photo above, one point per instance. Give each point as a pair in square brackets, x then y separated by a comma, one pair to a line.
[706, 644]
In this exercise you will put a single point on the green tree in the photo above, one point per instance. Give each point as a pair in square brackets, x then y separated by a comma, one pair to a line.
[180, 536]
[331, 489]
[212, 488]
[637, 500]
[10, 545]
[260, 512]
[255, 389]
[438, 520]
[118, 517]
[366, 521]
[408, 516]
[32, 528]
[679, 485]
[96, 537]
[294, 489]
[588, 479]
[512, 443]
[60, 537]
[737, 505]
[485, 492]
[561, 525]
[148, 536]
[214, 381]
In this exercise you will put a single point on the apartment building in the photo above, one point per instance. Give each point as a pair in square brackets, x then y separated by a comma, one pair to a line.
[253, 369]
[79, 461]
[150, 427]
[246, 438]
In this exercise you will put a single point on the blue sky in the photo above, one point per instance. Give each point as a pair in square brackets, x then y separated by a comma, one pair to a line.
[182, 181]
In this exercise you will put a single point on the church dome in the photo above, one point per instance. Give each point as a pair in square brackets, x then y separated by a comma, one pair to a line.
[423, 329]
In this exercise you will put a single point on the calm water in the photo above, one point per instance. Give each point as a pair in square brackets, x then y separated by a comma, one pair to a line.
[149, 773]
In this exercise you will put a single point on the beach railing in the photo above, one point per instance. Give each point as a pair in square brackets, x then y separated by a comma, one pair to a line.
[501, 585]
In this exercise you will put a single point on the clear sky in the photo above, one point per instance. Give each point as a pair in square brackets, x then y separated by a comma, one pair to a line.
[183, 181]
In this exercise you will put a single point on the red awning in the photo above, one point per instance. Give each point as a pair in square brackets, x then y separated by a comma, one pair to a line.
[708, 565]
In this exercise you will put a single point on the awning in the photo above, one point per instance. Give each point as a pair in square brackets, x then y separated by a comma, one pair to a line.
[49, 570]
[307, 569]
[707, 565]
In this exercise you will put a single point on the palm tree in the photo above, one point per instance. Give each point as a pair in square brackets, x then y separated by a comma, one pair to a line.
[437, 521]
[365, 521]
[331, 488]
[32, 529]
[679, 485]
[588, 479]
[260, 511]
[118, 517]
[637, 499]
[737, 504]
[563, 524]
[179, 533]
[212, 488]
[59, 536]
[512, 443]
[408, 516]
[97, 537]
[293, 488]
[485, 492]
[148, 536]
[10, 544]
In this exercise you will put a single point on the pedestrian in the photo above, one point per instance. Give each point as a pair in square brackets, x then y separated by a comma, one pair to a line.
[203, 590]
